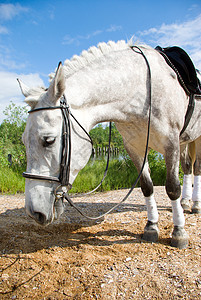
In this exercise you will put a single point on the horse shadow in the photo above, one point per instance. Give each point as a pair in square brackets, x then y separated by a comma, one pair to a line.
[20, 234]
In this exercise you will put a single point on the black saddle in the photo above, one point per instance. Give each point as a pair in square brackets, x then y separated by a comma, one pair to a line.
[178, 59]
[181, 63]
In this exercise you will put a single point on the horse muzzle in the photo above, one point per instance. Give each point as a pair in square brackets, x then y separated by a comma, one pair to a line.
[42, 206]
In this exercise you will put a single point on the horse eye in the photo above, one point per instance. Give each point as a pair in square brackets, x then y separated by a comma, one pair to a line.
[48, 141]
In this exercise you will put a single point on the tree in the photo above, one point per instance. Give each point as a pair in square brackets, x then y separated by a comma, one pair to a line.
[11, 131]
[15, 115]
[100, 136]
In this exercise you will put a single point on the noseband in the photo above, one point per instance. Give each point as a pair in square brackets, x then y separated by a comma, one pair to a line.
[63, 178]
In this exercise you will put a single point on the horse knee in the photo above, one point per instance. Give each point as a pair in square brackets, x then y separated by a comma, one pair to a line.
[197, 167]
[173, 189]
[146, 185]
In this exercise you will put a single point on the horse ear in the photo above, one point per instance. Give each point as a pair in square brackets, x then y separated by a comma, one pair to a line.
[26, 92]
[57, 86]
[24, 88]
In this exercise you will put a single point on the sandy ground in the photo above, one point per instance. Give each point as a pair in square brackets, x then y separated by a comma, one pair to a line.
[78, 259]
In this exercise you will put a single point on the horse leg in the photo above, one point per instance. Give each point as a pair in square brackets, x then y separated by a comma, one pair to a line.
[151, 231]
[186, 163]
[196, 208]
[173, 189]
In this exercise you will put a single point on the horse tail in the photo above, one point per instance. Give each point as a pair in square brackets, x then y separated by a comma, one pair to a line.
[192, 152]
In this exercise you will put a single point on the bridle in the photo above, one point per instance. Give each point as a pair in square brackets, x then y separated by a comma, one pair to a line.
[63, 178]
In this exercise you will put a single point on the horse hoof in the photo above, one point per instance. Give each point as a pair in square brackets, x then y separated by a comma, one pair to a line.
[196, 209]
[179, 238]
[185, 203]
[151, 232]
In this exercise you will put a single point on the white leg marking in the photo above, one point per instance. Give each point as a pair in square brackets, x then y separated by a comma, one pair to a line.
[177, 211]
[187, 187]
[152, 211]
[197, 189]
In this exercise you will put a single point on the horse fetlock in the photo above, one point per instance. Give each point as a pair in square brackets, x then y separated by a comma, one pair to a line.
[151, 232]
[186, 204]
[179, 238]
[196, 208]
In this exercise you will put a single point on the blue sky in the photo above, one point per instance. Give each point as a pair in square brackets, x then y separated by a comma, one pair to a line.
[36, 35]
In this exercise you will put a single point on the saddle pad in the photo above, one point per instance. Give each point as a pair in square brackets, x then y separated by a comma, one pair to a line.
[184, 65]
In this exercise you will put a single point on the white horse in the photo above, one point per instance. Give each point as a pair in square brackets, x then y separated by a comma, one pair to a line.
[109, 83]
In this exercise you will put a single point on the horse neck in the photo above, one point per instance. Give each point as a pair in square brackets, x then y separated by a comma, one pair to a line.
[98, 92]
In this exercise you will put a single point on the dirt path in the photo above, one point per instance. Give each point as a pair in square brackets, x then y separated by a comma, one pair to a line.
[77, 259]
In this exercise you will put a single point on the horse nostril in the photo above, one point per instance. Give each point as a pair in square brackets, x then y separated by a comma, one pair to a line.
[40, 218]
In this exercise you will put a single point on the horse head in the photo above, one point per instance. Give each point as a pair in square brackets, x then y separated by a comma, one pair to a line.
[43, 138]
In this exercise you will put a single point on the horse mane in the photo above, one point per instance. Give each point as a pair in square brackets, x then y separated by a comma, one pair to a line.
[76, 63]
[87, 57]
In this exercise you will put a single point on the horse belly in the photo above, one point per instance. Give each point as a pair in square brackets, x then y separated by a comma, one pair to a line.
[135, 136]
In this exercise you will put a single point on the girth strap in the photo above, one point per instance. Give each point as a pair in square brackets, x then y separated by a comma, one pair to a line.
[189, 112]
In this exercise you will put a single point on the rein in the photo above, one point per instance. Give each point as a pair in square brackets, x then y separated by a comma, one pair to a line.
[63, 178]
[67, 197]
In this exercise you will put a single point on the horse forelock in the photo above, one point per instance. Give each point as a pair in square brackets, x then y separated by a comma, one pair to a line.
[34, 94]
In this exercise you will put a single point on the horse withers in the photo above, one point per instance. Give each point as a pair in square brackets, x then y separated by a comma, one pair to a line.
[108, 83]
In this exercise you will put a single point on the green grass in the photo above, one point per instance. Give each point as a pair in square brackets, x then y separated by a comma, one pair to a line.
[11, 182]
[121, 174]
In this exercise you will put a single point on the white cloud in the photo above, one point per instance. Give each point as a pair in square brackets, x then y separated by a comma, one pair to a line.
[68, 40]
[7, 59]
[186, 35]
[3, 30]
[114, 28]
[10, 89]
[51, 12]
[8, 63]
[9, 11]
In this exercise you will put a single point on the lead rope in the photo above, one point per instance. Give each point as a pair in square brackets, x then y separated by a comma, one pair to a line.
[67, 197]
